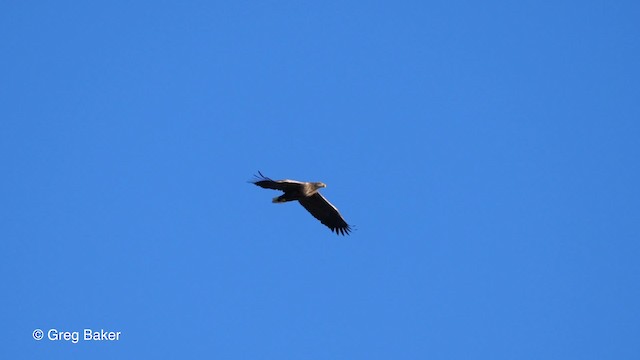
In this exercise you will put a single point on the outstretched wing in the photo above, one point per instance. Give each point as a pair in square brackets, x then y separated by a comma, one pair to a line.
[283, 185]
[324, 211]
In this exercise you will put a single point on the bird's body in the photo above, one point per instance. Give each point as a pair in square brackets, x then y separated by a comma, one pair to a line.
[307, 194]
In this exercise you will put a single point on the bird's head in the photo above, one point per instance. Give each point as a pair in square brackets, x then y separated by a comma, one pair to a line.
[319, 185]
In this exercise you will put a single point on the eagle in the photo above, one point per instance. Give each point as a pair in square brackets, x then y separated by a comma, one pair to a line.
[306, 193]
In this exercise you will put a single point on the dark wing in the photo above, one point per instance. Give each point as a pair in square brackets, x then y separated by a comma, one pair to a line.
[324, 211]
[283, 185]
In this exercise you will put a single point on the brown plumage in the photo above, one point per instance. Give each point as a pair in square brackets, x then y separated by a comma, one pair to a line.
[306, 193]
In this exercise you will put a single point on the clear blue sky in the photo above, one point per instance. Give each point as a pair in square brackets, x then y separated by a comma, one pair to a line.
[487, 153]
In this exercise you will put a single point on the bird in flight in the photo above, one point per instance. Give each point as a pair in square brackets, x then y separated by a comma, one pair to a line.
[306, 193]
